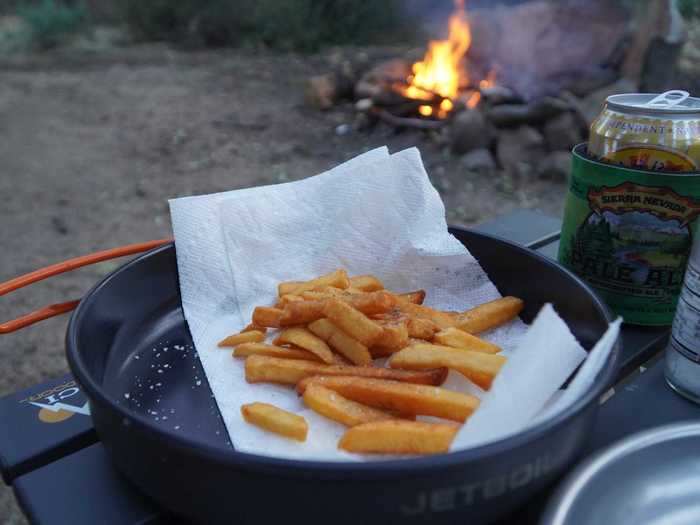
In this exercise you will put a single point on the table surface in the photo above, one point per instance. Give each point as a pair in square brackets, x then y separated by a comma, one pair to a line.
[51, 456]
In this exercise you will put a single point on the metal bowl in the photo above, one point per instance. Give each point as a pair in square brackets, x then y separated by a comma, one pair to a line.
[649, 478]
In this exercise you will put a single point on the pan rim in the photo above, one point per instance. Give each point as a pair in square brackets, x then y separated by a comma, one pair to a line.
[283, 467]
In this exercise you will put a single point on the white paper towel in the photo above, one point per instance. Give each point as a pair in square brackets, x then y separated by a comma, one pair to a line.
[376, 214]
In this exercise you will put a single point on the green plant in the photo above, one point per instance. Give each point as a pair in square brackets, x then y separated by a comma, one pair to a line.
[297, 24]
[689, 8]
[50, 22]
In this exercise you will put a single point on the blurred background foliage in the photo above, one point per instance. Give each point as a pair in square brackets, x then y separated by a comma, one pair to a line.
[689, 8]
[304, 25]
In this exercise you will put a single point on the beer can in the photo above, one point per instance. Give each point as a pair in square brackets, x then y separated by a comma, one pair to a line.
[649, 132]
[628, 233]
[683, 351]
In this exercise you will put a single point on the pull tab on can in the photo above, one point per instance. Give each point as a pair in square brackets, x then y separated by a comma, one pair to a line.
[668, 99]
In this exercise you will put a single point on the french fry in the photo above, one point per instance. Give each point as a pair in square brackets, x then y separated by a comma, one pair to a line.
[394, 337]
[460, 339]
[267, 316]
[352, 321]
[302, 312]
[421, 328]
[334, 406]
[276, 420]
[248, 349]
[337, 279]
[341, 342]
[478, 367]
[441, 319]
[366, 283]
[306, 311]
[370, 303]
[251, 336]
[489, 315]
[399, 437]
[392, 315]
[286, 299]
[303, 338]
[416, 297]
[250, 327]
[264, 369]
[405, 398]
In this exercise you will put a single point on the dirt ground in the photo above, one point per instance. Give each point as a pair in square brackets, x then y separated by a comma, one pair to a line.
[93, 145]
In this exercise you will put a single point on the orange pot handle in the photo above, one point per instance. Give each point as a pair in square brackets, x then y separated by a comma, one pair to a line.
[62, 267]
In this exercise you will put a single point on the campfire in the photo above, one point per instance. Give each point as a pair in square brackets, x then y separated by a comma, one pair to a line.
[440, 82]
[506, 89]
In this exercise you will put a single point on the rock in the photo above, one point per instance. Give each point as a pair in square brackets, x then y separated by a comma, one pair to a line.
[343, 129]
[321, 91]
[499, 95]
[469, 131]
[535, 112]
[562, 132]
[535, 44]
[592, 104]
[523, 145]
[582, 82]
[363, 105]
[651, 57]
[479, 160]
[556, 166]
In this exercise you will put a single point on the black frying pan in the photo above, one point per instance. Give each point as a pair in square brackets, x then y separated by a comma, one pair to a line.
[167, 436]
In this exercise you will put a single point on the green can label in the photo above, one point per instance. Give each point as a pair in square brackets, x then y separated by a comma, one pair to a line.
[628, 233]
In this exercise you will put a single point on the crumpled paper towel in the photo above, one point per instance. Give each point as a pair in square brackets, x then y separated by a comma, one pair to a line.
[375, 214]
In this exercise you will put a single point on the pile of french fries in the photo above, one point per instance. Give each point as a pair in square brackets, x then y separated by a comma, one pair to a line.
[329, 330]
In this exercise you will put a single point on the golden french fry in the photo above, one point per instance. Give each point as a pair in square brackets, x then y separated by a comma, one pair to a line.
[303, 338]
[416, 297]
[306, 311]
[394, 337]
[461, 339]
[405, 398]
[399, 437]
[286, 299]
[337, 279]
[352, 321]
[441, 319]
[247, 349]
[264, 369]
[276, 420]
[334, 406]
[302, 312]
[350, 348]
[421, 328]
[478, 367]
[393, 315]
[366, 283]
[267, 316]
[489, 315]
[251, 336]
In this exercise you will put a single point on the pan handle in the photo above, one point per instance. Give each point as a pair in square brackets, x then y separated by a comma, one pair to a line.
[62, 267]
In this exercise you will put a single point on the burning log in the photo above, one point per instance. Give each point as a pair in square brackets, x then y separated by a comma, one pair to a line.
[406, 122]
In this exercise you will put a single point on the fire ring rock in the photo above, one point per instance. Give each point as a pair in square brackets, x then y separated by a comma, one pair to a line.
[470, 131]
[535, 112]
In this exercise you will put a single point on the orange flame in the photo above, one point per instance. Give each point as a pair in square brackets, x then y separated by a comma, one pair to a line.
[487, 82]
[440, 71]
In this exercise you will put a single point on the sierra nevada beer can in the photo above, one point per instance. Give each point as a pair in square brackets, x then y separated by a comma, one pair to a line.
[628, 233]
[648, 131]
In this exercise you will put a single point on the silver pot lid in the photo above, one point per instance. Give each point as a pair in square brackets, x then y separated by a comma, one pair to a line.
[649, 478]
